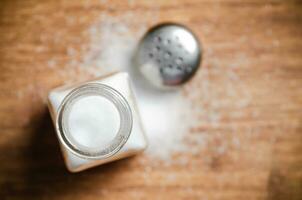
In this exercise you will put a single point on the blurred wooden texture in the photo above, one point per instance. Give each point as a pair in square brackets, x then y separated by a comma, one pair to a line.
[260, 40]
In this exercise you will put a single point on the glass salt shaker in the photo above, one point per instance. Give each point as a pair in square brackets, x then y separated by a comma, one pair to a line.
[97, 122]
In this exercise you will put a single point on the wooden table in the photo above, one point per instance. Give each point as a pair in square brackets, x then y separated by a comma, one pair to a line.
[252, 46]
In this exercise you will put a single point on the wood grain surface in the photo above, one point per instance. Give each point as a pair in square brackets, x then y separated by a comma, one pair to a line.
[256, 45]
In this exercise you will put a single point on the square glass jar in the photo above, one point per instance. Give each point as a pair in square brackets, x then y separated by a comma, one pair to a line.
[114, 91]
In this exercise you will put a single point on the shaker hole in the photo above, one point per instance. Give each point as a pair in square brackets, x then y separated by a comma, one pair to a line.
[161, 70]
[168, 55]
[158, 39]
[179, 60]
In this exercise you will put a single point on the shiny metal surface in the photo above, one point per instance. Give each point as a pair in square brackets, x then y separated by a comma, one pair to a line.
[168, 55]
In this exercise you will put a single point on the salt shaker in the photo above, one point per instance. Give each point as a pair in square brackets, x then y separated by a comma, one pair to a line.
[97, 121]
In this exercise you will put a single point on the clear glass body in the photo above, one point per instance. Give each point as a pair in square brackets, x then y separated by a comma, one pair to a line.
[130, 138]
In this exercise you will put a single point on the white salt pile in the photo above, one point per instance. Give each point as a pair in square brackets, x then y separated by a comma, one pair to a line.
[92, 122]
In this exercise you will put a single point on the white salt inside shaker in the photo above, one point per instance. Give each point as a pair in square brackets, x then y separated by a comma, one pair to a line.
[97, 121]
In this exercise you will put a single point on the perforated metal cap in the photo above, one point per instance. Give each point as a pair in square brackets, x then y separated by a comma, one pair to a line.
[168, 55]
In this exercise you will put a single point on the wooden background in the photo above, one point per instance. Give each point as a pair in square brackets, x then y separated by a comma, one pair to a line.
[261, 41]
